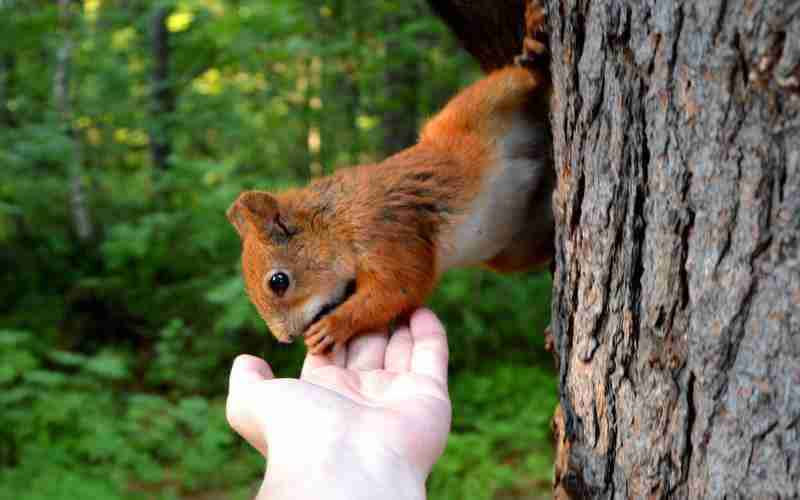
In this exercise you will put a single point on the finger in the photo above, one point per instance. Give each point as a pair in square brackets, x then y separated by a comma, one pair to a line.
[248, 370]
[366, 352]
[339, 355]
[247, 376]
[429, 354]
[313, 362]
[398, 351]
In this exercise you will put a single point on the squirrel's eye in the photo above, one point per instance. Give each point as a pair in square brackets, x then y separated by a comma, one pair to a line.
[279, 283]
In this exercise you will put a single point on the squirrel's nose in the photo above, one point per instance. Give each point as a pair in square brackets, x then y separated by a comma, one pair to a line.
[282, 335]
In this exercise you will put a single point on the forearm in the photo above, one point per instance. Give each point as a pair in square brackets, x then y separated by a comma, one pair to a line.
[346, 476]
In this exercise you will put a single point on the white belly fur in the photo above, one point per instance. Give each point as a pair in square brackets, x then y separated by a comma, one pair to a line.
[500, 209]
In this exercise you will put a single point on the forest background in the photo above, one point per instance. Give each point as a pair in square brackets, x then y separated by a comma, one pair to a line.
[126, 129]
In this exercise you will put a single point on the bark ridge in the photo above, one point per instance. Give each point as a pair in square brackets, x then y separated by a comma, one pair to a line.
[676, 312]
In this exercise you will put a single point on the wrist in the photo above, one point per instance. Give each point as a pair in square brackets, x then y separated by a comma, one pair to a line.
[344, 473]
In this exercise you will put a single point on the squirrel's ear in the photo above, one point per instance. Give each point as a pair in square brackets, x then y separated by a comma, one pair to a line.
[252, 209]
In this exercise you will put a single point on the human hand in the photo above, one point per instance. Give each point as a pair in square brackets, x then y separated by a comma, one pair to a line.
[368, 421]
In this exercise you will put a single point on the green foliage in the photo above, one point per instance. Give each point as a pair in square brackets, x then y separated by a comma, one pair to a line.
[115, 350]
[78, 421]
[500, 442]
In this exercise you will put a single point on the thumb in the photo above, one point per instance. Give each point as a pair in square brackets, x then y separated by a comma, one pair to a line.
[248, 370]
[247, 376]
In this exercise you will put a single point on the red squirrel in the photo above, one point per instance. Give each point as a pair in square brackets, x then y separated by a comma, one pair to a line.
[352, 251]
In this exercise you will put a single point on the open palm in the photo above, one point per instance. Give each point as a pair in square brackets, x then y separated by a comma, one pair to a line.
[380, 396]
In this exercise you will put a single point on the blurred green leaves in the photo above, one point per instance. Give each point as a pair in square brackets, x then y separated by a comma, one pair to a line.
[115, 351]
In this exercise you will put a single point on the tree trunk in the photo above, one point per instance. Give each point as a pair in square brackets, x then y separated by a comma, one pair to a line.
[79, 207]
[304, 159]
[163, 96]
[7, 69]
[351, 92]
[328, 117]
[490, 30]
[676, 312]
[401, 80]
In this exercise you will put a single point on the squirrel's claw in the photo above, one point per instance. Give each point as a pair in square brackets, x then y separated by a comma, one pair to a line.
[323, 335]
[319, 344]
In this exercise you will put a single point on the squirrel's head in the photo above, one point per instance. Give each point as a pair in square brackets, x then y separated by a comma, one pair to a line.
[293, 270]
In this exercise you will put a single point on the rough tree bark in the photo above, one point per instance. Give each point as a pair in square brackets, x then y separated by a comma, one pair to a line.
[676, 310]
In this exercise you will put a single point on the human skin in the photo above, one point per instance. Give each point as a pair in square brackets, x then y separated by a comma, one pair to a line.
[364, 422]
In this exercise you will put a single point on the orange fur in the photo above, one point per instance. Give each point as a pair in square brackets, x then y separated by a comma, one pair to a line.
[384, 228]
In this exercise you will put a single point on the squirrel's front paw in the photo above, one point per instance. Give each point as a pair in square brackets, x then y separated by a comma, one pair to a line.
[326, 333]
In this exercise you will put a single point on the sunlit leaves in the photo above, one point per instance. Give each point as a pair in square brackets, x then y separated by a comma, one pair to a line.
[90, 8]
[209, 83]
[121, 39]
[131, 137]
[180, 20]
[366, 122]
